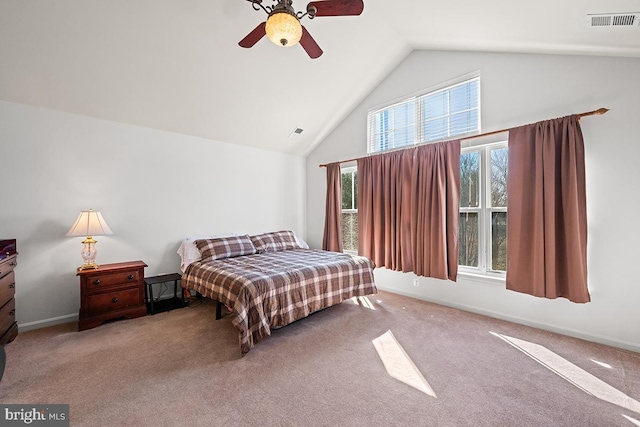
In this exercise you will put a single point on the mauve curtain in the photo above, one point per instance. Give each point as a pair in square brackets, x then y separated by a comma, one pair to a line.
[547, 220]
[435, 210]
[384, 209]
[332, 239]
[408, 209]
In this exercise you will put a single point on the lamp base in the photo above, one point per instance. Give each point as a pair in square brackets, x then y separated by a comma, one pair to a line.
[89, 254]
[88, 266]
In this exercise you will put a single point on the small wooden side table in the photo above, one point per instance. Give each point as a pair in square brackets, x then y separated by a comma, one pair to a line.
[164, 304]
[111, 291]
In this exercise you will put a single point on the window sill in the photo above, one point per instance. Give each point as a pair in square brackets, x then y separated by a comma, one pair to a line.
[481, 278]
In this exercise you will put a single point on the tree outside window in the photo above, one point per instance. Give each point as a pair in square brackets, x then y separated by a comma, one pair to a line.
[350, 209]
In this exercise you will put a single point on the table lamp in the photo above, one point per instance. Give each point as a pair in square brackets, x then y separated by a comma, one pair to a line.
[89, 223]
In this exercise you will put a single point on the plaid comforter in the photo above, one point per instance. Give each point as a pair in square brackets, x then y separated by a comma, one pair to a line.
[273, 289]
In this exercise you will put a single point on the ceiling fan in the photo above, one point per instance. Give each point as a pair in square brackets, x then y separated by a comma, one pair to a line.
[283, 25]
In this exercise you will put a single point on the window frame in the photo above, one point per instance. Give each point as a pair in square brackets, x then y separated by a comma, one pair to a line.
[485, 211]
[373, 147]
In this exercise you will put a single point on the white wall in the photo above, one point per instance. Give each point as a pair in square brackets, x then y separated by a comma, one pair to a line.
[153, 188]
[519, 89]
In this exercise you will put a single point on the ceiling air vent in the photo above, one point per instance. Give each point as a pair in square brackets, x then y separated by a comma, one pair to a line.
[614, 20]
[296, 132]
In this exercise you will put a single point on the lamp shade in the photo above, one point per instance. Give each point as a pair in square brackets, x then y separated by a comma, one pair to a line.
[283, 29]
[89, 223]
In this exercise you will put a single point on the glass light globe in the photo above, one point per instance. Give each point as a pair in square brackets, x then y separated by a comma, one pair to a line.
[283, 29]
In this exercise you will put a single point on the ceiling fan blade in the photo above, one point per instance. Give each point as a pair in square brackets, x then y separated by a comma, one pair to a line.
[309, 44]
[254, 36]
[337, 7]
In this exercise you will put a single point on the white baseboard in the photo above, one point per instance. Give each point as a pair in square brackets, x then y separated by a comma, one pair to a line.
[522, 321]
[29, 326]
[24, 327]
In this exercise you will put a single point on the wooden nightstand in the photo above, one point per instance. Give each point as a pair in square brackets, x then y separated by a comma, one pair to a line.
[111, 291]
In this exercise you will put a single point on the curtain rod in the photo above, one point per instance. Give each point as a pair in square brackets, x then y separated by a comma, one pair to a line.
[598, 112]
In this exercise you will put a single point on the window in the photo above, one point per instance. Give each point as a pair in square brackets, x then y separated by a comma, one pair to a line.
[483, 209]
[482, 244]
[445, 113]
[350, 209]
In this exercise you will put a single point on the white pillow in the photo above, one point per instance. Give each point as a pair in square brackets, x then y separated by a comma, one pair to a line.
[189, 252]
[301, 242]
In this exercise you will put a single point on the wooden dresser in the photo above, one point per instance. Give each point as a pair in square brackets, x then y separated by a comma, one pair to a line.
[110, 292]
[8, 325]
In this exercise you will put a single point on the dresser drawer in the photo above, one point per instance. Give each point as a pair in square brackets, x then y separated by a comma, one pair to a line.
[110, 301]
[7, 287]
[6, 265]
[7, 316]
[101, 282]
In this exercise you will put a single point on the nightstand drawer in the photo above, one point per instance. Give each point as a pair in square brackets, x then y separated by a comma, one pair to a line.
[7, 315]
[100, 282]
[110, 301]
[7, 288]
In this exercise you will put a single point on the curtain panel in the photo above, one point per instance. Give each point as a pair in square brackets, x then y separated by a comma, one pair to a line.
[332, 238]
[435, 212]
[384, 209]
[408, 203]
[546, 210]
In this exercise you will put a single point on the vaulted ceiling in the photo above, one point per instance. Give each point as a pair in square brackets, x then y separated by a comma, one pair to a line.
[175, 65]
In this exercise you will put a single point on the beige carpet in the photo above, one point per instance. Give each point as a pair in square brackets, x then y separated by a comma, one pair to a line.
[183, 368]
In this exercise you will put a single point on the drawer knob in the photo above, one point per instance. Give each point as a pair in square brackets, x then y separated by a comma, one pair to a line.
[96, 282]
[12, 312]
[131, 277]
[115, 300]
[13, 264]
[12, 286]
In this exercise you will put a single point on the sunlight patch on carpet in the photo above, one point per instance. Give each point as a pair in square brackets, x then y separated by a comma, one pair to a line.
[363, 301]
[572, 373]
[398, 363]
[604, 365]
[632, 420]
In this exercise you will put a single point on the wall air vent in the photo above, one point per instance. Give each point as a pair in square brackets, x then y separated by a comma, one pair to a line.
[614, 20]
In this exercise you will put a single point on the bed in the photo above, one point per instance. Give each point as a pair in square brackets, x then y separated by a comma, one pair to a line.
[271, 279]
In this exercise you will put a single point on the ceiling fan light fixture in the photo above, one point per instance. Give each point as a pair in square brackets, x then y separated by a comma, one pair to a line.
[283, 28]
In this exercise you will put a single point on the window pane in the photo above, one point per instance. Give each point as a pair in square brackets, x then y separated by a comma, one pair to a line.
[355, 191]
[382, 121]
[347, 194]
[403, 125]
[350, 231]
[468, 239]
[499, 241]
[469, 179]
[382, 142]
[460, 98]
[435, 105]
[499, 158]
[403, 115]
[403, 137]
[435, 129]
[381, 132]
[465, 122]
